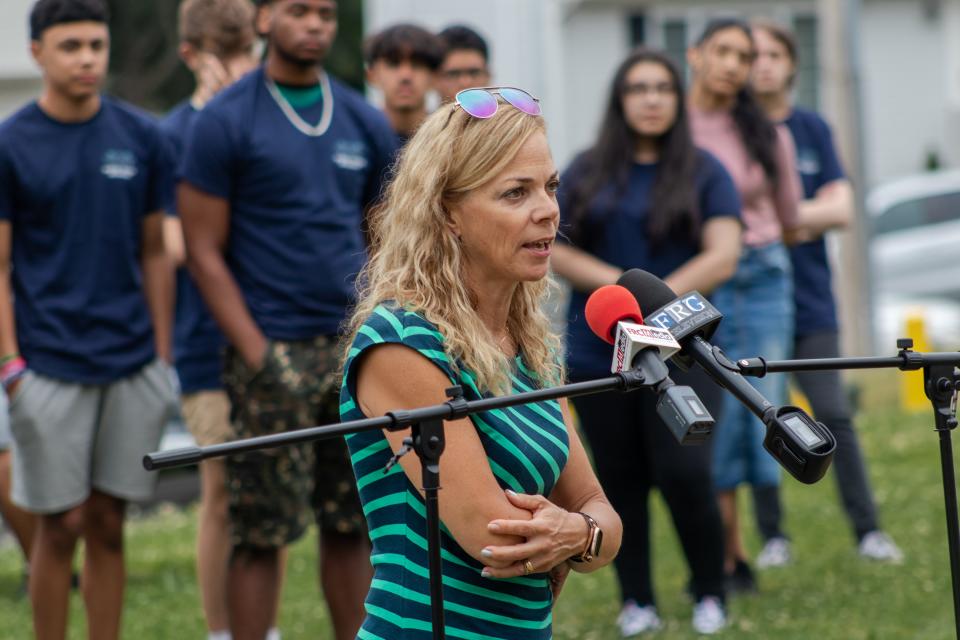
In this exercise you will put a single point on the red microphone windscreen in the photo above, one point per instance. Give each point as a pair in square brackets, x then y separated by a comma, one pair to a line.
[607, 306]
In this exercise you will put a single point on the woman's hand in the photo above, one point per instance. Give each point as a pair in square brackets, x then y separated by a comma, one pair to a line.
[551, 536]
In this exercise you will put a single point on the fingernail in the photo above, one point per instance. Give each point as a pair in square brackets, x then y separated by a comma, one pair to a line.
[485, 573]
[493, 526]
[511, 492]
[486, 553]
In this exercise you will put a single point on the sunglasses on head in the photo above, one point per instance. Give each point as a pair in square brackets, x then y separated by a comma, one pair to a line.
[481, 102]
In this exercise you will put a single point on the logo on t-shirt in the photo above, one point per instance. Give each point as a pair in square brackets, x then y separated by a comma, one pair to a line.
[119, 164]
[808, 161]
[350, 155]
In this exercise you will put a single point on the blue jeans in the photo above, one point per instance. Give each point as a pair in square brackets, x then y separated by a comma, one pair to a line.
[758, 309]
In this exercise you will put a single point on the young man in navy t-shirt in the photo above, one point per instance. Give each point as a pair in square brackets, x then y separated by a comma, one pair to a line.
[217, 43]
[276, 176]
[85, 312]
[828, 204]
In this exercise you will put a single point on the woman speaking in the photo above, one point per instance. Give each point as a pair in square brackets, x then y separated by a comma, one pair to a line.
[452, 294]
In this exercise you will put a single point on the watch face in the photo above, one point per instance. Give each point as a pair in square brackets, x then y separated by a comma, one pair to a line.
[598, 539]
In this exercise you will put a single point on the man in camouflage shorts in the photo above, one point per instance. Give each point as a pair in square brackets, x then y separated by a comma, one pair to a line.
[277, 173]
[270, 490]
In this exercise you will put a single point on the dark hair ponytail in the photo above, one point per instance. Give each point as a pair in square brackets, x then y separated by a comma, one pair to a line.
[757, 132]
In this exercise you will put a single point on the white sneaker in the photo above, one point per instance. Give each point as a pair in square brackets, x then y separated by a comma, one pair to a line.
[877, 545]
[709, 616]
[776, 553]
[634, 619]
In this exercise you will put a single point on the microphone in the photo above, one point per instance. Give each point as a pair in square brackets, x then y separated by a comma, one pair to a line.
[614, 316]
[801, 445]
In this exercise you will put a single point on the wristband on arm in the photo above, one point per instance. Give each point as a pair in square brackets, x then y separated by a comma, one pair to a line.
[12, 370]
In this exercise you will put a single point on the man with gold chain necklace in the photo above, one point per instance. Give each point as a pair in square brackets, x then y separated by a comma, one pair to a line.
[277, 173]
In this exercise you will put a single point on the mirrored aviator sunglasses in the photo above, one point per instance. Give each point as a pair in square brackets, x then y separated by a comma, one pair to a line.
[481, 102]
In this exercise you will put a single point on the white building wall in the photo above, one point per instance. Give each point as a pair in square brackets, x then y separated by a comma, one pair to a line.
[950, 66]
[19, 78]
[595, 41]
[905, 87]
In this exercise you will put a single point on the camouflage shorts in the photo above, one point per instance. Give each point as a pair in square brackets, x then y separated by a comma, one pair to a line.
[271, 491]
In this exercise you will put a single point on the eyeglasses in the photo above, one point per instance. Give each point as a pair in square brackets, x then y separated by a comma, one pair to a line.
[481, 102]
[472, 73]
[643, 90]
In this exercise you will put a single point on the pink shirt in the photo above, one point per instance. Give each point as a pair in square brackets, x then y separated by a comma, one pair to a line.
[766, 212]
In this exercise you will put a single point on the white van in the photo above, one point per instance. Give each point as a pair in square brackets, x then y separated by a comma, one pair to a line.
[915, 256]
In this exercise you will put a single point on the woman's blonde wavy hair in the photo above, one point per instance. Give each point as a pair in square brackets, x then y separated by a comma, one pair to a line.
[416, 259]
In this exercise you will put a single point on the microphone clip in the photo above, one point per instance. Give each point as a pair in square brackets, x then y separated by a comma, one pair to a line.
[631, 379]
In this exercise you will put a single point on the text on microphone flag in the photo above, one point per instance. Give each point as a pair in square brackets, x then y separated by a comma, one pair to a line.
[683, 315]
[632, 337]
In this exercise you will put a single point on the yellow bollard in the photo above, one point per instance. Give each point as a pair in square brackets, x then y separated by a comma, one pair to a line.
[912, 397]
[797, 399]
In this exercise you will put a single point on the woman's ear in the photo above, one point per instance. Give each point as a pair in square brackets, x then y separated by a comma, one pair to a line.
[453, 219]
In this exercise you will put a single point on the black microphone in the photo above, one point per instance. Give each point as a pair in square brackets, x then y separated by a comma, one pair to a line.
[803, 446]
[692, 320]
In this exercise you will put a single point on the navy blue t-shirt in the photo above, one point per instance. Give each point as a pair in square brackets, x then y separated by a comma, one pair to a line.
[296, 201]
[615, 230]
[197, 341]
[76, 195]
[818, 164]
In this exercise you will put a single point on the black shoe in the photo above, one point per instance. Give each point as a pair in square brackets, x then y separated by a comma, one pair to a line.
[75, 581]
[741, 580]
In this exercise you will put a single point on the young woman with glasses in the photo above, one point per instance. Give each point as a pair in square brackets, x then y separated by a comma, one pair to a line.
[643, 196]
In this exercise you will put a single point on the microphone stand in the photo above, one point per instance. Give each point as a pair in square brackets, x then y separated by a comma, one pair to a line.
[426, 440]
[941, 382]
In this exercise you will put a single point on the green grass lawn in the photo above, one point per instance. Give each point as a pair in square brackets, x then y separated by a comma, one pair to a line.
[828, 593]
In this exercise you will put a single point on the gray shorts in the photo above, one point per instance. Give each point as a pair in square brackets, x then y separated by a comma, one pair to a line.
[70, 438]
[5, 438]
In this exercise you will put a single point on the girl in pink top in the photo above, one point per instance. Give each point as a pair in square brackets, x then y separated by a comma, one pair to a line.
[757, 303]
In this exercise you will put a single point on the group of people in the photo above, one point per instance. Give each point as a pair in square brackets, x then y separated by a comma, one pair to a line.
[726, 188]
[290, 249]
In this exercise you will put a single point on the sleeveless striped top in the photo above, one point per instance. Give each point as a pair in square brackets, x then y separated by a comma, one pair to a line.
[526, 447]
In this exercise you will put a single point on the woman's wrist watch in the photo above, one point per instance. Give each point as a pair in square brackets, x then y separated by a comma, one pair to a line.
[594, 539]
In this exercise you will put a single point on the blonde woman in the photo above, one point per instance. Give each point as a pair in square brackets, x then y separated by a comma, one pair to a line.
[452, 294]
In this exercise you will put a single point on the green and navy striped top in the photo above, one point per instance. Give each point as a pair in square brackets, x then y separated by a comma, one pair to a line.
[526, 447]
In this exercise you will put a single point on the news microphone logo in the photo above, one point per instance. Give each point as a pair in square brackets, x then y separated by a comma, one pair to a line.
[687, 314]
[631, 338]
